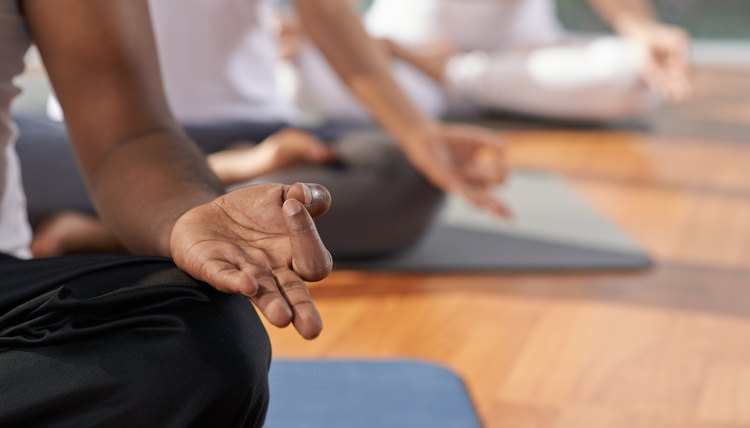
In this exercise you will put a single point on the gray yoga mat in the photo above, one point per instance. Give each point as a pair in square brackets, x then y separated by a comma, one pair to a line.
[554, 230]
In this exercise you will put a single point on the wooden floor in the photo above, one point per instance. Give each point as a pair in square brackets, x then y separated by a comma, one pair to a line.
[669, 347]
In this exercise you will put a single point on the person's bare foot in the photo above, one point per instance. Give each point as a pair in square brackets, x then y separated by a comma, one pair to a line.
[283, 149]
[70, 232]
[294, 147]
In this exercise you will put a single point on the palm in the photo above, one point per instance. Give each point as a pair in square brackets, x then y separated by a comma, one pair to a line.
[244, 242]
[233, 231]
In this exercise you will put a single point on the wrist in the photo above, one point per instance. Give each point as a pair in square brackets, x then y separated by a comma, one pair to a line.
[416, 133]
[173, 223]
[633, 26]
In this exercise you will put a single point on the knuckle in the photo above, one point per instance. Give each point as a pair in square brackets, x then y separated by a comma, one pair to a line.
[294, 285]
[320, 270]
[302, 227]
[313, 273]
[265, 279]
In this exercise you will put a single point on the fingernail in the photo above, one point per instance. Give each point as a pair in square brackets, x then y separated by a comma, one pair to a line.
[315, 193]
[308, 194]
[291, 207]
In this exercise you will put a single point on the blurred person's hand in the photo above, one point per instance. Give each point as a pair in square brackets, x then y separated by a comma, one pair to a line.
[463, 159]
[260, 241]
[667, 63]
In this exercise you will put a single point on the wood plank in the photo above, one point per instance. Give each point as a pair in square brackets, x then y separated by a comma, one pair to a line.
[666, 348]
[678, 225]
[552, 342]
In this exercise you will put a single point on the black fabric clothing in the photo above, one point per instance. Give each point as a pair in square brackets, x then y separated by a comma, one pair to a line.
[125, 341]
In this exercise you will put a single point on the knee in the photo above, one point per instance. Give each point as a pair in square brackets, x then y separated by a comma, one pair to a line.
[619, 90]
[226, 350]
[390, 206]
[212, 371]
[142, 343]
[229, 342]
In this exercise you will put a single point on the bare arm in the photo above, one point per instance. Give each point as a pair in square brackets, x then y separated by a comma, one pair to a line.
[152, 186]
[449, 156]
[626, 15]
[142, 172]
[336, 29]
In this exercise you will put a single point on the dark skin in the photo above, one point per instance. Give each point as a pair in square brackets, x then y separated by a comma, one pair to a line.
[152, 186]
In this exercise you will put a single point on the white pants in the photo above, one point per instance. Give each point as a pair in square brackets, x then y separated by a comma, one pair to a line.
[593, 79]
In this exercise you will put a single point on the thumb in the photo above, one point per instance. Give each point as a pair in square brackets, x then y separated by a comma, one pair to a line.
[310, 258]
[315, 198]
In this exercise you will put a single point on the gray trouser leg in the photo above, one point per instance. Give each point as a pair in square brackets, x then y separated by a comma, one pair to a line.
[51, 178]
[50, 174]
[381, 204]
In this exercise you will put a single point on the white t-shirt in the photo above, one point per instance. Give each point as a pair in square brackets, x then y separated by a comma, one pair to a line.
[15, 233]
[218, 59]
[470, 24]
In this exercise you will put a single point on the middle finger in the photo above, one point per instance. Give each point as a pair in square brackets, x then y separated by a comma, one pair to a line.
[306, 318]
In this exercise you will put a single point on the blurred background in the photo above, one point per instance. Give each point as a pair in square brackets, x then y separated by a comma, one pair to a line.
[721, 29]
[725, 19]
[715, 19]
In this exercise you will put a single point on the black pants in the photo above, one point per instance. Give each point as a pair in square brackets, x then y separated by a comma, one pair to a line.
[124, 341]
[372, 185]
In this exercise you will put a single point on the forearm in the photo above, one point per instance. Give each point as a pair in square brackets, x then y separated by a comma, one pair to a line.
[626, 16]
[337, 30]
[141, 171]
[142, 186]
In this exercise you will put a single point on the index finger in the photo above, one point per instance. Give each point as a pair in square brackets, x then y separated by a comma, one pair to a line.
[310, 258]
[483, 198]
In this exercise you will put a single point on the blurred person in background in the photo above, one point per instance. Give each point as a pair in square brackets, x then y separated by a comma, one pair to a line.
[458, 57]
[218, 60]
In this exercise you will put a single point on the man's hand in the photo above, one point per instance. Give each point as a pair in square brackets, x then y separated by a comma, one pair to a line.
[260, 241]
[464, 159]
[667, 65]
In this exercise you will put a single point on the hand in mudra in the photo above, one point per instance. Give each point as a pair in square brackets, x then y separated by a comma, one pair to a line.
[467, 160]
[667, 64]
[260, 241]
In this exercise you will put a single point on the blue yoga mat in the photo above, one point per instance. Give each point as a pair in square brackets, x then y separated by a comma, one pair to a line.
[367, 394]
